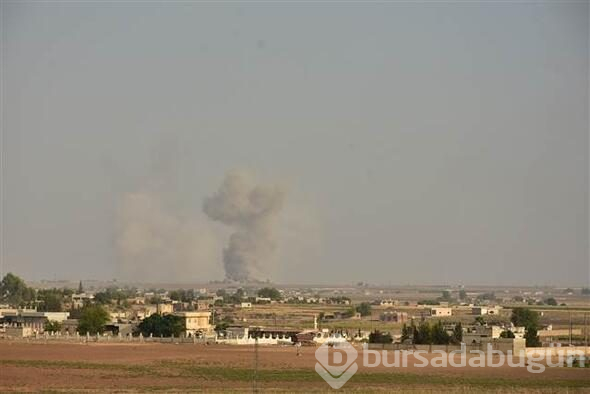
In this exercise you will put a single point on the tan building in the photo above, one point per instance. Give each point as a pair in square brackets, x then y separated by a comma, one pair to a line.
[196, 323]
[32, 319]
[394, 317]
[144, 311]
[204, 304]
[439, 312]
[163, 309]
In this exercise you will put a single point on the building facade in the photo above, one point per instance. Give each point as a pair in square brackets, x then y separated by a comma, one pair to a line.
[196, 323]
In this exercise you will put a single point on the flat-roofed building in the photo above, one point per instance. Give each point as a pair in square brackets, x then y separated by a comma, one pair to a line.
[32, 319]
[394, 317]
[440, 312]
[196, 323]
[477, 334]
[481, 310]
[163, 309]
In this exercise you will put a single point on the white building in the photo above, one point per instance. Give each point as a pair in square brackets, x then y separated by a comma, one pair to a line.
[482, 311]
[477, 334]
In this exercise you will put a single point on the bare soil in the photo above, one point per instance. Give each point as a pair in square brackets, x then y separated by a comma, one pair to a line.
[34, 367]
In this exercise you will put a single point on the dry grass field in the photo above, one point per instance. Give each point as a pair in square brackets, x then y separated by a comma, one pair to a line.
[301, 316]
[55, 367]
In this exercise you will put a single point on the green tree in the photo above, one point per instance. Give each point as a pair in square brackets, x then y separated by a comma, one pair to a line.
[349, 312]
[506, 334]
[14, 291]
[224, 323]
[80, 288]
[364, 308]
[337, 300]
[270, 292]
[551, 301]
[439, 335]
[446, 295]
[487, 296]
[380, 337]
[92, 320]
[52, 326]
[238, 297]
[189, 296]
[406, 332]
[524, 317]
[586, 291]
[103, 297]
[182, 295]
[530, 321]
[221, 293]
[113, 295]
[155, 300]
[457, 333]
[175, 295]
[428, 302]
[162, 325]
[50, 300]
[423, 334]
[532, 337]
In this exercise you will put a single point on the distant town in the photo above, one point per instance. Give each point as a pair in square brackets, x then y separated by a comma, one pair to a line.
[240, 314]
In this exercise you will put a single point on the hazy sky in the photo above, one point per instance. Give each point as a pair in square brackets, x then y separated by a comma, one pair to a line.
[417, 143]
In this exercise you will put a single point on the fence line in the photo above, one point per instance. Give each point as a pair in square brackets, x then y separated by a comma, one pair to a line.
[110, 339]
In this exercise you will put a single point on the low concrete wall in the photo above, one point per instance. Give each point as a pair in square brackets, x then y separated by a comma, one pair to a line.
[502, 345]
[19, 332]
[556, 350]
[268, 340]
[46, 337]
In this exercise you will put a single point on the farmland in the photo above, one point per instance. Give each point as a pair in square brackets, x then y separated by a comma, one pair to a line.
[59, 367]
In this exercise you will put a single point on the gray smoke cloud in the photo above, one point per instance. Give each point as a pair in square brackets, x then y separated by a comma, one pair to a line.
[251, 209]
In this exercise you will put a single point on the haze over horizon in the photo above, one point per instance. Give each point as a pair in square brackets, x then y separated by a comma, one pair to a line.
[411, 143]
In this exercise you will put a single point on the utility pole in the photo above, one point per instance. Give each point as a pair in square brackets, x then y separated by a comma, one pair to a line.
[256, 365]
[570, 328]
[586, 329]
[255, 378]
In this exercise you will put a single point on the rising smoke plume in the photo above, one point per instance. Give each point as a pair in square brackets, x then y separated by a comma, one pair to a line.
[251, 210]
